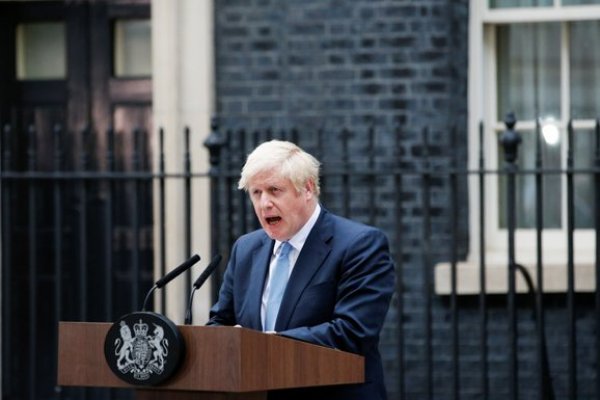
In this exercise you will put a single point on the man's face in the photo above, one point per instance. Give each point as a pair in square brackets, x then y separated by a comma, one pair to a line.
[281, 210]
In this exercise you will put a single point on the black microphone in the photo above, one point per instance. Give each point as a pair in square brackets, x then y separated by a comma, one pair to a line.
[170, 276]
[199, 282]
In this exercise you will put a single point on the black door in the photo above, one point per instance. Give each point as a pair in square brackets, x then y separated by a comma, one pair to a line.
[75, 245]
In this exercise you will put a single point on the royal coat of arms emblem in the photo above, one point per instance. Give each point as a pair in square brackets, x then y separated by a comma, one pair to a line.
[143, 348]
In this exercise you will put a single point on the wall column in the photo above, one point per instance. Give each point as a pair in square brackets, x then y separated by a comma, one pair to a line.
[183, 95]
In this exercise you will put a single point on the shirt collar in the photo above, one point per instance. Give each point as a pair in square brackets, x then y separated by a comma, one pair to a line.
[297, 241]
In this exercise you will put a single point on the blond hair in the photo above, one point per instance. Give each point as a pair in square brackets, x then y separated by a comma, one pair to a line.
[289, 160]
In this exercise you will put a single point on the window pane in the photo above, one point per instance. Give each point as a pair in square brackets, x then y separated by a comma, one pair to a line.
[41, 51]
[525, 184]
[585, 69]
[132, 48]
[583, 183]
[519, 3]
[578, 2]
[529, 70]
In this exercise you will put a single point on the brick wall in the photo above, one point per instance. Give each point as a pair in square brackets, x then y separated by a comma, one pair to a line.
[399, 67]
[333, 68]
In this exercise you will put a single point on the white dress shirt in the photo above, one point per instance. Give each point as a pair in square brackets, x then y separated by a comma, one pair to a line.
[297, 242]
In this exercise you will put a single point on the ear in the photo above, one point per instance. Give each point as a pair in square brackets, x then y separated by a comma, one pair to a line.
[309, 189]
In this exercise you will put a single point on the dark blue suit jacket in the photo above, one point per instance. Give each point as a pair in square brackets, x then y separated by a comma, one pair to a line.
[337, 296]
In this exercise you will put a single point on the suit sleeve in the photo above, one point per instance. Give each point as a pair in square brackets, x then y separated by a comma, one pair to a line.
[223, 312]
[365, 287]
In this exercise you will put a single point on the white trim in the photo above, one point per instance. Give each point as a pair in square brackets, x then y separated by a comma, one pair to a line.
[565, 96]
[496, 274]
[476, 112]
[540, 14]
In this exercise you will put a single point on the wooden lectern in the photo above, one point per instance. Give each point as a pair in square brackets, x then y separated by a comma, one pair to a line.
[219, 363]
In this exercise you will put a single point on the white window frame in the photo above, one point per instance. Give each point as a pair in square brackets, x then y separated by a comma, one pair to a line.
[482, 96]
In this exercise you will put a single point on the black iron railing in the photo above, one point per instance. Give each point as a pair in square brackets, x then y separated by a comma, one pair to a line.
[77, 244]
[357, 165]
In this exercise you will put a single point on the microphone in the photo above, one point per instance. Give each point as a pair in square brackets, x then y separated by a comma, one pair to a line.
[170, 276]
[199, 282]
[120, 335]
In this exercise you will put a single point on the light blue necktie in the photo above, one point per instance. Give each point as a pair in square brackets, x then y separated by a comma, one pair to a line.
[280, 275]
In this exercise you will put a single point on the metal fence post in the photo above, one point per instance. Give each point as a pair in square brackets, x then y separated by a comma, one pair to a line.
[32, 224]
[7, 224]
[187, 170]
[510, 141]
[214, 143]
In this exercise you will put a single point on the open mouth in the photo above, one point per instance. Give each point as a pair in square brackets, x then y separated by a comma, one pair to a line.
[273, 220]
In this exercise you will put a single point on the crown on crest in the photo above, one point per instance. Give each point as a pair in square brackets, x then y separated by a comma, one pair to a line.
[140, 329]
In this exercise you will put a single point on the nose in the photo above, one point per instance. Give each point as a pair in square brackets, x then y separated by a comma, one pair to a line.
[265, 201]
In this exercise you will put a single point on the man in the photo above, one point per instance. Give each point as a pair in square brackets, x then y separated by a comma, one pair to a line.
[338, 279]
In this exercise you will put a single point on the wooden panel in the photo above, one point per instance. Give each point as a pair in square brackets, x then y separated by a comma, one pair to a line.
[42, 92]
[81, 356]
[130, 90]
[218, 359]
[8, 64]
[40, 10]
[161, 395]
[129, 9]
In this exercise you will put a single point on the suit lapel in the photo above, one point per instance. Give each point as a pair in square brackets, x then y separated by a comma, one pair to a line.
[260, 265]
[315, 250]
